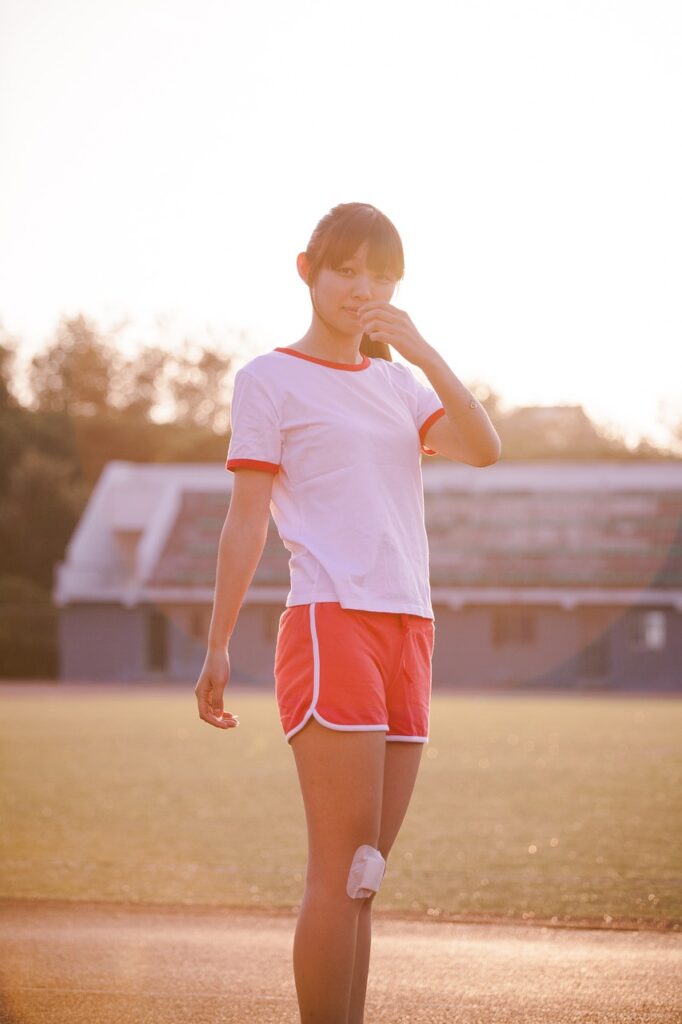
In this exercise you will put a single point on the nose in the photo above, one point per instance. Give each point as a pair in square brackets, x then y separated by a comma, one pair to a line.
[361, 287]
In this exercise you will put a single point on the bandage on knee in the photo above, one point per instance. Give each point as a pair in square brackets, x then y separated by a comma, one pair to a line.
[366, 872]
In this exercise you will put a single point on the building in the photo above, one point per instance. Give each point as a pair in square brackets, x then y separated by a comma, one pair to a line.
[544, 575]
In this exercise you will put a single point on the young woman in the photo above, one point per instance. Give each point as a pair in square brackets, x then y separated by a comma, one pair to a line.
[327, 435]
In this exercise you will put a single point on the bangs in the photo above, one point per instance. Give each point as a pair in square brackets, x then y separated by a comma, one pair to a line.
[385, 250]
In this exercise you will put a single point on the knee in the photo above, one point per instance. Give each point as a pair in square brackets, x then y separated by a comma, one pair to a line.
[369, 900]
[366, 874]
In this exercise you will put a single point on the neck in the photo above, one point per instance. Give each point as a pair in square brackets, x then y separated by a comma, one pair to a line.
[322, 341]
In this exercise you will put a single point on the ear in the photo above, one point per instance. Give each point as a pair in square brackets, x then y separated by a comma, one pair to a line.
[303, 266]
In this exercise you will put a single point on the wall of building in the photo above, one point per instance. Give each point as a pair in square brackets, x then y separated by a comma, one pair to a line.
[102, 642]
[508, 648]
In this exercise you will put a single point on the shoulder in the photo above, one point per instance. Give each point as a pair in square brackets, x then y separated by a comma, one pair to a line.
[259, 382]
[392, 367]
[262, 366]
[267, 371]
[383, 365]
[398, 373]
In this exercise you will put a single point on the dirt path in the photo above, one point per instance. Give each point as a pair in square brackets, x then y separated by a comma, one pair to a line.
[72, 963]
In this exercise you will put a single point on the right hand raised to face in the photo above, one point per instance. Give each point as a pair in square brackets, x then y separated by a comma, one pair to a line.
[210, 688]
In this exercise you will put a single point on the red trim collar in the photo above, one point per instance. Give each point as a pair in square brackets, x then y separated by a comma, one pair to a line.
[366, 361]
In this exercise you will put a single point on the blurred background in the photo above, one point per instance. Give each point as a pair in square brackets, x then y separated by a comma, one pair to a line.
[164, 163]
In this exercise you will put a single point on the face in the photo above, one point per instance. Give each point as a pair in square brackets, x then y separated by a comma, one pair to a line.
[339, 290]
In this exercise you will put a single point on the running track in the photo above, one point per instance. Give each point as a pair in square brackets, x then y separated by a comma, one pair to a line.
[88, 963]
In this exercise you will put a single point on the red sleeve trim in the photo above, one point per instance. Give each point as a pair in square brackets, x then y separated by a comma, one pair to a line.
[270, 467]
[425, 426]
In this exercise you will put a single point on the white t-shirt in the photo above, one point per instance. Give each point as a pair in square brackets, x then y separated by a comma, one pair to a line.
[344, 444]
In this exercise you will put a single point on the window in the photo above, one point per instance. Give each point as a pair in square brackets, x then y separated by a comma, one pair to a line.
[197, 628]
[157, 639]
[647, 630]
[271, 623]
[513, 626]
[594, 658]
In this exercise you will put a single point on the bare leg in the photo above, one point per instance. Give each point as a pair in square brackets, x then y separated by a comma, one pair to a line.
[324, 956]
[400, 773]
[363, 946]
[341, 775]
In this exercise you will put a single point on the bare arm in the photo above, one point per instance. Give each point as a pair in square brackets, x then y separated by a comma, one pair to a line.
[240, 549]
[242, 540]
[465, 433]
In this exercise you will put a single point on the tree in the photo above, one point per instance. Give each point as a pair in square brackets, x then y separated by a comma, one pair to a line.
[138, 385]
[74, 374]
[198, 386]
[8, 352]
[42, 503]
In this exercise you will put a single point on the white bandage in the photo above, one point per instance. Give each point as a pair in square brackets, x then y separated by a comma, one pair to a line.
[366, 872]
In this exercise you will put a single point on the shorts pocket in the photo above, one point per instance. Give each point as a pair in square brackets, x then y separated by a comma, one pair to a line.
[418, 651]
[293, 652]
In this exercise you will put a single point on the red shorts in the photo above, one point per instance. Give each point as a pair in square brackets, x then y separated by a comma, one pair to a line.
[354, 670]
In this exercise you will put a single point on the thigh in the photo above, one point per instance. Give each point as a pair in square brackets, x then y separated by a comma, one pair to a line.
[341, 776]
[400, 774]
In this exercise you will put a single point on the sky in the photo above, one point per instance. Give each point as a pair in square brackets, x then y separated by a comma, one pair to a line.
[164, 162]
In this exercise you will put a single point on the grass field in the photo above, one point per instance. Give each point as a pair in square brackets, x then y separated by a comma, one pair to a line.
[528, 807]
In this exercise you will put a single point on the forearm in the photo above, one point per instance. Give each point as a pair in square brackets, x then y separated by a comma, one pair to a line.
[472, 423]
[239, 552]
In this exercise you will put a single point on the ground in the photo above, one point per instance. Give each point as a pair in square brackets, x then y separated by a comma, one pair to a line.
[82, 962]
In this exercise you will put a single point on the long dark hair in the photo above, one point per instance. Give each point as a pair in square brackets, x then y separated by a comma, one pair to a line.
[338, 236]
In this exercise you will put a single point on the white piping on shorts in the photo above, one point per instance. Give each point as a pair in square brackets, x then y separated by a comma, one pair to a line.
[312, 710]
[408, 739]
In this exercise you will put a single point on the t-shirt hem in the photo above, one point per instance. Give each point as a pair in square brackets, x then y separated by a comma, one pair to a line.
[368, 605]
